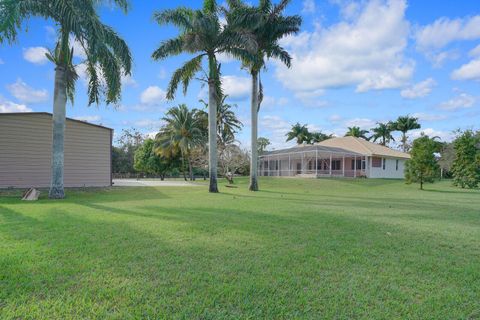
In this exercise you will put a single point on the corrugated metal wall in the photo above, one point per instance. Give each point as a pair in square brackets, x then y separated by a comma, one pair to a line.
[25, 152]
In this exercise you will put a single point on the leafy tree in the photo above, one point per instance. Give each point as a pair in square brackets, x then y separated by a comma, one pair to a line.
[268, 25]
[124, 151]
[405, 124]
[107, 59]
[316, 137]
[148, 161]
[300, 133]
[383, 132]
[423, 166]
[262, 144]
[466, 165]
[201, 33]
[180, 132]
[356, 132]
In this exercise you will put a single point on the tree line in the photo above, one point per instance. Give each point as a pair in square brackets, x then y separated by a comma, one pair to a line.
[382, 132]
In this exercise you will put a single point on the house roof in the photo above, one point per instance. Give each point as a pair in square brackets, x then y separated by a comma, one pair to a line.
[308, 148]
[49, 114]
[363, 147]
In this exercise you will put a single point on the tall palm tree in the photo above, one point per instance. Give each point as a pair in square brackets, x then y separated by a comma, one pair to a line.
[107, 59]
[383, 131]
[300, 133]
[268, 25]
[405, 124]
[227, 122]
[202, 34]
[356, 132]
[181, 132]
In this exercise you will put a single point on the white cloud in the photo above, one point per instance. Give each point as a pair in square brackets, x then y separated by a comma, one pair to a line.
[272, 102]
[148, 123]
[237, 88]
[469, 71]
[8, 106]
[153, 95]
[1, 61]
[363, 123]
[89, 118]
[128, 81]
[443, 135]
[308, 6]
[475, 52]
[419, 90]
[429, 117]
[335, 118]
[367, 52]
[27, 94]
[35, 55]
[462, 101]
[274, 128]
[444, 31]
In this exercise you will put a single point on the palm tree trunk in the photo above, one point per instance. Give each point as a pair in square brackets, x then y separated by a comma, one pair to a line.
[58, 135]
[404, 141]
[190, 169]
[254, 136]
[212, 125]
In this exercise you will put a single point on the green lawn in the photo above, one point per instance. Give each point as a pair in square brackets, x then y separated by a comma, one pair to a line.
[306, 249]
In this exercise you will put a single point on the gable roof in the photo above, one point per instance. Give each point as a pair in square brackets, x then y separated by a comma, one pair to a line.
[364, 147]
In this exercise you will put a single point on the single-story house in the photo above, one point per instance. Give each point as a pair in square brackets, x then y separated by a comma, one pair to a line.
[26, 152]
[335, 157]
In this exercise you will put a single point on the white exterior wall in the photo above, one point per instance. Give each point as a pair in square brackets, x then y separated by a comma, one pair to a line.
[390, 171]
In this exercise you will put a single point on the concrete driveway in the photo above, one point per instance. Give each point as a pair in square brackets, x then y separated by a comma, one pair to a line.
[152, 183]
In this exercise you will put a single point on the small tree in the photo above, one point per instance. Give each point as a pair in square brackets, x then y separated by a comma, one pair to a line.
[262, 144]
[466, 166]
[148, 161]
[423, 166]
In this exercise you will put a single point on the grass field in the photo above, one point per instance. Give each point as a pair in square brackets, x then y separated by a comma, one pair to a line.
[306, 249]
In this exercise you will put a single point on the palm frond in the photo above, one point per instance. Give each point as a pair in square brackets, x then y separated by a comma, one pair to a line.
[171, 47]
[184, 74]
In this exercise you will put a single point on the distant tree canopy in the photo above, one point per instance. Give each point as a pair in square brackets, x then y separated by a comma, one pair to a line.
[466, 165]
[123, 152]
[423, 166]
[302, 135]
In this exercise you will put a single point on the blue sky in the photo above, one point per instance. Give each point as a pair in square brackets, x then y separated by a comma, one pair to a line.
[355, 63]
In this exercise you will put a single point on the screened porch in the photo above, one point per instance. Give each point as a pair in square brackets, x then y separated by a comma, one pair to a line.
[312, 161]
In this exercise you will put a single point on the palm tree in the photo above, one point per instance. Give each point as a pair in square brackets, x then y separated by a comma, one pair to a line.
[227, 122]
[356, 132]
[107, 59]
[202, 34]
[405, 124]
[300, 133]
[181, 132]
[316, 137]
[383, 131]
[268, 26]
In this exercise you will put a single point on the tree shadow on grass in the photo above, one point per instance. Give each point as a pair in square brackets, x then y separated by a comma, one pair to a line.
[162, 261]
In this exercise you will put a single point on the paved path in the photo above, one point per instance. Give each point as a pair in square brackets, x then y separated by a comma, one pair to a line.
[152, 183]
